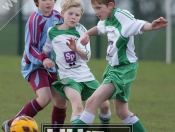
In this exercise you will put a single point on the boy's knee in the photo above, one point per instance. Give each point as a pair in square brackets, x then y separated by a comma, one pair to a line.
[44, 100]
[121, 113]
[47, 100]
[60, 102]
[105, 107]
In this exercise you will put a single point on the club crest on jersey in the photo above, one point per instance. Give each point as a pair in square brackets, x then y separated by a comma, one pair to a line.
[63, 80]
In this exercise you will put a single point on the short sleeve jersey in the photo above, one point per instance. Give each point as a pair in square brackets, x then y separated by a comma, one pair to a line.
[69, 63]
[120, 31]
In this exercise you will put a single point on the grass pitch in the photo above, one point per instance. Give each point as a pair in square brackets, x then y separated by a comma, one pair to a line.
[152, 95]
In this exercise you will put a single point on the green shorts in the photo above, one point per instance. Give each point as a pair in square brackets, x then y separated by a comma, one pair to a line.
[122, 78]
[86, 89]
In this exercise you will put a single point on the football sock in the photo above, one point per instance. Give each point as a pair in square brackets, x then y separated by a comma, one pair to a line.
[137, 125]
[87, 117]
[79, 124]
[104, 118]
[58, 117]
[30, 109]
[74, 119]
[85, 120]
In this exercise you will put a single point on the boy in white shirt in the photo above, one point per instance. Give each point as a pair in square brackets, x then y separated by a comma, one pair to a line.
[76, 83]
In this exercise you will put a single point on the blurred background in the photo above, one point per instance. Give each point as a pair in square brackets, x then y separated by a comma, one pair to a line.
[153, 46]
[152, 93]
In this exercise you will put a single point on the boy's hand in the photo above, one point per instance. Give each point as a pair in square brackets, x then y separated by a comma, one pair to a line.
[47, 63]
[72, 44]
[84, 39]
[159, 23]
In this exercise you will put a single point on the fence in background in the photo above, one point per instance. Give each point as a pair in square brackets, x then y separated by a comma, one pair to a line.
[149, 45]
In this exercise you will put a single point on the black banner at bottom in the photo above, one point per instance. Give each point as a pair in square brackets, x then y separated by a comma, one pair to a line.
[83, 128]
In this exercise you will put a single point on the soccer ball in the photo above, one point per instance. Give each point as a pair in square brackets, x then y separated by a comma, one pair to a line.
[24, 124]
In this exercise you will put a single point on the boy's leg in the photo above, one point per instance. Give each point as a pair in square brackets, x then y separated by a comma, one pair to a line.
[104, 119]
[76, 102]
[121, 109]
[74, 119]
[36, 105]
[39, 81]
[104, 113]
[58, 115]
[30, 109]
[98, 97]
[137, 125]
[84, 121]
[59, 108]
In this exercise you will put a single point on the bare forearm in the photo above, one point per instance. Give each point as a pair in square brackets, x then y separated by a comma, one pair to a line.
[93, 31]
[146, 27]
[156, 24]
[82, 54]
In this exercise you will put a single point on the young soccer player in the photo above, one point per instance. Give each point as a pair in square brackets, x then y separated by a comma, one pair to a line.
[76, 82]
[120, 27]
[34, 70]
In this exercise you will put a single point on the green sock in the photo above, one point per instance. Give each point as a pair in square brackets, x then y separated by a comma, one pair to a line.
[79, 124]
[104, 118]
[138, 127]
[74, 119]
[84, 122]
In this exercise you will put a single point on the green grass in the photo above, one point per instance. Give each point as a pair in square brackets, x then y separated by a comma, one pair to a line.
[152, 94]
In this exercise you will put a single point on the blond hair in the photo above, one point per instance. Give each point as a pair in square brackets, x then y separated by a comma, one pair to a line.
[66, 4]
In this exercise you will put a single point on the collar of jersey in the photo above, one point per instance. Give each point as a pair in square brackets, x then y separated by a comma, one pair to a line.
[112, 16]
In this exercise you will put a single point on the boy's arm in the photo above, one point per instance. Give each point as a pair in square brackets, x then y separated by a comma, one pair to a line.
[85, 37]
[92, 32]
[156, 24]
[75, 47]
[84, 51]
[32, 39]
[47, 48]
[82, 54]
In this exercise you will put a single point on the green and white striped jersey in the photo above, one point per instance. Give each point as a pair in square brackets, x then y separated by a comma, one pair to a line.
[69, 63]
[120, 31]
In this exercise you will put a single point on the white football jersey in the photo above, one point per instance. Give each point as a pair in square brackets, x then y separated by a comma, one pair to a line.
[69, 63]
[120, 31]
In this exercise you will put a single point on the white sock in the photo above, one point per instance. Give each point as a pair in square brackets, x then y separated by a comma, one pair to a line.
[74, 119]
[87, 117]
[131, 119]
[104, 118]
[108, 115]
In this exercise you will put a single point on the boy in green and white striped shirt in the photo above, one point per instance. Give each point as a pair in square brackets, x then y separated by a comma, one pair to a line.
[120, 26]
